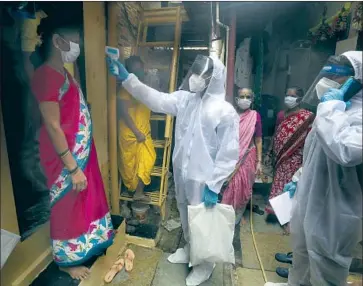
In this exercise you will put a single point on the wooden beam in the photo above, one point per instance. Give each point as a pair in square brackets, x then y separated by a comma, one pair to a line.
[156, 44]
[94, 22]
[165, 12]
[231, 56]
[112, 24]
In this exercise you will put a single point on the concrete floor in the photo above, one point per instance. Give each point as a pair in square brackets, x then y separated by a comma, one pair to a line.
[171, 274]
[270, 240]
[151, 267]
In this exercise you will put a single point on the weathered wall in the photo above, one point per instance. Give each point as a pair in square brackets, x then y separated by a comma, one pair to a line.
[96, 79]
[305, 65]
[129, 17]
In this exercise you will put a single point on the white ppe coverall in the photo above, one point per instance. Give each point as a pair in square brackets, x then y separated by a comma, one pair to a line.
[206, 140]
[326, 223]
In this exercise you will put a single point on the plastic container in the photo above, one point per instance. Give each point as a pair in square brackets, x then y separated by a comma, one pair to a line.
[140, 210]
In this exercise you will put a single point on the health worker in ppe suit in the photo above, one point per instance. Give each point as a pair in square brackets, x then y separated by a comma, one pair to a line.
[206, 139]
[326, 223]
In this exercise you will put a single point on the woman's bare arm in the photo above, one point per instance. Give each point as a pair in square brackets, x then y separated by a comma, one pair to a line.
[51, 117]
[123, 106]
[258, 143]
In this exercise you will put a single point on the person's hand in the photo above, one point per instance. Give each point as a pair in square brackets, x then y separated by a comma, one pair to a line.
[140, 137]
[210, 198]
[79, 180]
[259, 169]
[117, 69]
[291, 188]
[334, 94]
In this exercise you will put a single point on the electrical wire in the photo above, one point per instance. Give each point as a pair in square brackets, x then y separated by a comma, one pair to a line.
[255, 244]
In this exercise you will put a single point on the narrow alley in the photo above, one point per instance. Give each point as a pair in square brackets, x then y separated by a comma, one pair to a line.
[130, 130]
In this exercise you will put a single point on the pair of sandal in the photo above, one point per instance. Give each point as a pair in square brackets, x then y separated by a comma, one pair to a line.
[127, 262]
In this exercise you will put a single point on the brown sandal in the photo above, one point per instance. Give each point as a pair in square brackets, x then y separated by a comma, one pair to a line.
[116, 268]
[129, 260]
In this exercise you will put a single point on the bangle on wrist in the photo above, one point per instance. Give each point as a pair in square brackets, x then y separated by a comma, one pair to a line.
[64, 153]
[73, 171]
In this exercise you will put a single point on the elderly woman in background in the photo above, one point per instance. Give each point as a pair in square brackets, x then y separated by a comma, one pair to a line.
[239, 189]
[292, 126]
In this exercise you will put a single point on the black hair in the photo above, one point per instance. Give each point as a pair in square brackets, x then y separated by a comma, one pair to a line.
[131, 61]
[56, 23]
[299, 91]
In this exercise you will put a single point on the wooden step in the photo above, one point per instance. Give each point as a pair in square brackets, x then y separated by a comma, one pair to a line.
[161, 143]
[156, 44]
[158, 117]
[154, 198]
[164, 15]
[157, 171]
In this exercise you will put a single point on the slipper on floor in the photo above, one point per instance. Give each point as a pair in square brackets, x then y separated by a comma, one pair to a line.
[282, 272]
[284, 257]
[256, 209]
[116, 268]
[129, 260]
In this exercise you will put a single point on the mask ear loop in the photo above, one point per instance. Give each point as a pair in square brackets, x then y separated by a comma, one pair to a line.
[64, 40]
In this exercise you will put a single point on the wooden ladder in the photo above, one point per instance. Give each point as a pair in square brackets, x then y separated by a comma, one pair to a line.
[155, 20]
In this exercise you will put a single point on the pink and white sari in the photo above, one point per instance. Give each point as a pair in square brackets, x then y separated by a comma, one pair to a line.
[239, 190]
[80, 222]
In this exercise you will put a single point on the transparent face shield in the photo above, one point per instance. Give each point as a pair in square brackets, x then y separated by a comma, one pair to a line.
[333, 74]
[199, 75]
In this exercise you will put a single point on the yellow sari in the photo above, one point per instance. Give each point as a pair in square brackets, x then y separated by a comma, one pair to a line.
[136, 160]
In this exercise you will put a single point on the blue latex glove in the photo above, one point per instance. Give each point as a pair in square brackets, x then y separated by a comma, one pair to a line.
[117, 69]
[291, 188]
[210, 198]
[334, 94]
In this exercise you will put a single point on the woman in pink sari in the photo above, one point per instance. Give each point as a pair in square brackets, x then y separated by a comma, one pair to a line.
[239, 189]
[80, 222]
[292, 127]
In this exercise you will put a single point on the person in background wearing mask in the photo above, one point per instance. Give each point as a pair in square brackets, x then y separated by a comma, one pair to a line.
[239, 189]
[292, 127]
[80, 222]
[326, 223]
[136, 149]
[206, 140]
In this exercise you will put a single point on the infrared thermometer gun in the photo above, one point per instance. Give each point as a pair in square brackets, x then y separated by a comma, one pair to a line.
[350, 88]
[113, 54]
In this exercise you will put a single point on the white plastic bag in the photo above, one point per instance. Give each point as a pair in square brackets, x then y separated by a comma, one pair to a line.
[211, 232]
[8, 242]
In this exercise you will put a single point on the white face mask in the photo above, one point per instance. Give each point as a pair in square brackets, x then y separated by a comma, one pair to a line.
[71, 55]
[196, 83]
[291, 102]
[244, 103]
[324, 85]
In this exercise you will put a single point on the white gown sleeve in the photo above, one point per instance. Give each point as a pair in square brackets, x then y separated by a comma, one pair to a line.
[340, 133]
[297, 175]
[157, 101]
[227, 155]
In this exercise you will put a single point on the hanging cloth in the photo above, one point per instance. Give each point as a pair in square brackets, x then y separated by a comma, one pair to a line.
[243, 65]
